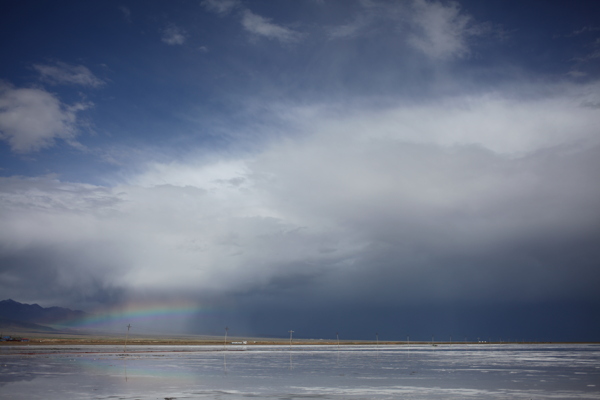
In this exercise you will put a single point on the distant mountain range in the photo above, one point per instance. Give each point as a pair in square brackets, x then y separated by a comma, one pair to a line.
[19, 316]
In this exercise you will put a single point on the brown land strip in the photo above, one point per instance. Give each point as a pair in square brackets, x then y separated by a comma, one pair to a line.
[69, 339]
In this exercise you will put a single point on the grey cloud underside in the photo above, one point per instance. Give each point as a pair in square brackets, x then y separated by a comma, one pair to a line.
[456, 223]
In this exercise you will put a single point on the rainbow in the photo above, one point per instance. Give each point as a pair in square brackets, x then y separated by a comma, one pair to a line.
[107, 365]
[140, 312]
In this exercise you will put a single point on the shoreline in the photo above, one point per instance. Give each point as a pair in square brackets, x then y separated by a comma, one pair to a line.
[74, 338]
[161, 341]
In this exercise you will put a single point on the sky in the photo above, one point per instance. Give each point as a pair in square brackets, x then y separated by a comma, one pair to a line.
[409, 168]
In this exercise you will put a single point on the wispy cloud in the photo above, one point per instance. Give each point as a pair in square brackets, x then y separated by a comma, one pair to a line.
[369, 16]
[32, 119]
[126, 12]
[261, 26]
[174, 35]
[586, 29]
[442, 29]
[587, 61]
[222, 7]
[350, 29]
[257, 25]
[62, 73]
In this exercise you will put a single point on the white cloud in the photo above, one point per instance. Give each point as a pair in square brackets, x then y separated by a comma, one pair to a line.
[261, 26]
[173, 35]
[441, 29]
[501, 125]
[32, 119]
[62, 73]
[222, 7]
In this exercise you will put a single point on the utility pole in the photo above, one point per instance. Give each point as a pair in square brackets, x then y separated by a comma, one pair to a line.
[225, 342]
[126, 337]
[337, 335]
[291, 332]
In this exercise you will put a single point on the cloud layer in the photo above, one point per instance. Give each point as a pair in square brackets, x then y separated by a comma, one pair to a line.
[383, 203]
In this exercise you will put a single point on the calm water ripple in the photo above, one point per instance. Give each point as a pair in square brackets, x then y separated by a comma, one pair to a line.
[304, 372]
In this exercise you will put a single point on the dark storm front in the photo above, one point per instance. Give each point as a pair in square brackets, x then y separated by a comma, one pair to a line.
[281, 372]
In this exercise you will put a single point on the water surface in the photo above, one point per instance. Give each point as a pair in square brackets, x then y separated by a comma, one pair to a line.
[302, 372]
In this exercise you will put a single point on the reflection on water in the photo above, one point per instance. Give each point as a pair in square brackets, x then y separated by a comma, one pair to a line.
[280, 372]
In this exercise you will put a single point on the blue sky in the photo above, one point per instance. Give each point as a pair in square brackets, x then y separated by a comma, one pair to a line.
[416, 166]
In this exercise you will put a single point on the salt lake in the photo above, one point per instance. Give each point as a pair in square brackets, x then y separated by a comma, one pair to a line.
[457, 371]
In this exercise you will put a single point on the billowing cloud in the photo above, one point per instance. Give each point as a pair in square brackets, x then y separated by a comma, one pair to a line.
[378, 204]
[262, 26]
[32, 119]
[173, 35]
[62, 73]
